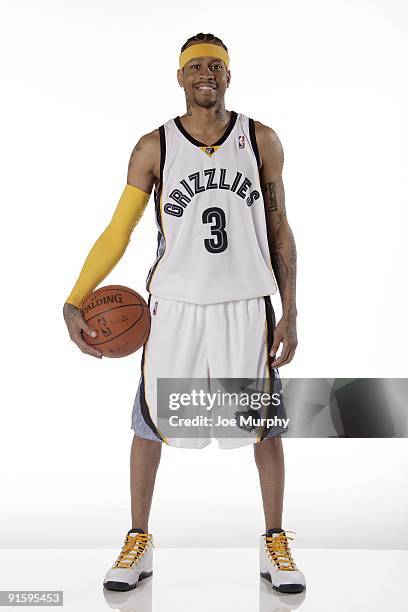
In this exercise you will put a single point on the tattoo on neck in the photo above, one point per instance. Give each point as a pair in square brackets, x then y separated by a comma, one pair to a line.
[221, 114]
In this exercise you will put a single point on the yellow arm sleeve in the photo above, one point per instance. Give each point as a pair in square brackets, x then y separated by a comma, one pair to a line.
[111, 244]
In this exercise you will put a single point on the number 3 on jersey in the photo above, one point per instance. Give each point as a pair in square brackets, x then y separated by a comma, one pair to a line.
[219, 243]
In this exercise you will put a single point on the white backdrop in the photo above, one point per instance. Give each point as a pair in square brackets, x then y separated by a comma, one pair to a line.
[81, 82]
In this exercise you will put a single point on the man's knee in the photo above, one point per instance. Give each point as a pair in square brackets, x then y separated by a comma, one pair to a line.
[267, 450]
[145, 445]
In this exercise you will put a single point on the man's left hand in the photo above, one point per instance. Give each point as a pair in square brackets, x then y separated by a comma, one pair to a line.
[285, 333]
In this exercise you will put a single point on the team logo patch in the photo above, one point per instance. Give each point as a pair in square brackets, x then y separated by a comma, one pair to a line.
[241, 142]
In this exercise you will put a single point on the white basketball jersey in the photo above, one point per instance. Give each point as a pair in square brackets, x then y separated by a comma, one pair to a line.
[212, 241]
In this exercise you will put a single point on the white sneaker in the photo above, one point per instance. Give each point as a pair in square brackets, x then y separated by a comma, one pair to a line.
[137, 600]
[270, 600]
[135, 562]
[277, 564]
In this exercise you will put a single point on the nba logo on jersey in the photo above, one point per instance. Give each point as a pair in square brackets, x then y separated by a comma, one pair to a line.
[241, 142]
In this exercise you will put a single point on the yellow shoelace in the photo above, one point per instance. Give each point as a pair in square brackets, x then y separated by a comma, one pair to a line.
[279, 551]
[133, 548]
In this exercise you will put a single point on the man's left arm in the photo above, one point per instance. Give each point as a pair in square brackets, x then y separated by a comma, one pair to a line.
[280, 238]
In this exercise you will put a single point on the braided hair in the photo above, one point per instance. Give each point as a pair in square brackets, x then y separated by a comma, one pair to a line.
[207, 38]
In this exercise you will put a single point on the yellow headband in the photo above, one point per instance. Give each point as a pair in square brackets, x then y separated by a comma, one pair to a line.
[203, 50]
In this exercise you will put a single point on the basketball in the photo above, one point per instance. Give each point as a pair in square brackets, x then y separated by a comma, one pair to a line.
[121, 318]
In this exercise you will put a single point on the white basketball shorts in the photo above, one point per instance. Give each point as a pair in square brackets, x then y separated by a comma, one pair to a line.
[228, 340]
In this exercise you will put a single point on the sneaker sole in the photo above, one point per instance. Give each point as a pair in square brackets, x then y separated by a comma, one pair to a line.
[111, 585]
[283, 588]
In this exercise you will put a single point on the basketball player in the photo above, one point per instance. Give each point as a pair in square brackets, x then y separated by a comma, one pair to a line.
[224, 245]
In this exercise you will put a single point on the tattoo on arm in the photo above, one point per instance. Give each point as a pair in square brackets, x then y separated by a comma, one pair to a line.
[138, 147]
[270, 197]
[279, 266]
[281, 243]
[274, 196]
[70, 311]
[283, 257]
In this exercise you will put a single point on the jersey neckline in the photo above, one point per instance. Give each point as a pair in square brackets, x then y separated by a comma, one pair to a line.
[220, 141]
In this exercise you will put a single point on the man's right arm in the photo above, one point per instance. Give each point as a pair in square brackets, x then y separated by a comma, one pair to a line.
[143, 171]
[112, 243]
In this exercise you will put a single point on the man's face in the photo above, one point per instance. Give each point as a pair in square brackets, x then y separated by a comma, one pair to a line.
[205, 80]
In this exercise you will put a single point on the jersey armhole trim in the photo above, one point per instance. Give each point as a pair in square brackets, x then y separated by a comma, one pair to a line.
[162, 162]
[162, 152]
[254, 144]
[157, 202]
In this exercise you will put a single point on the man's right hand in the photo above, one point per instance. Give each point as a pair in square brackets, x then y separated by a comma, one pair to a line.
[76, 324]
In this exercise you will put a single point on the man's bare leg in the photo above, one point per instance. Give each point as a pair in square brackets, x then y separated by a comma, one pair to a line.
[271, 467]
[144, 461]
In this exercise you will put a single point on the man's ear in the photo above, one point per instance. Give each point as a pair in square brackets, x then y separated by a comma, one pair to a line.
[180, 77]
[228, 77]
